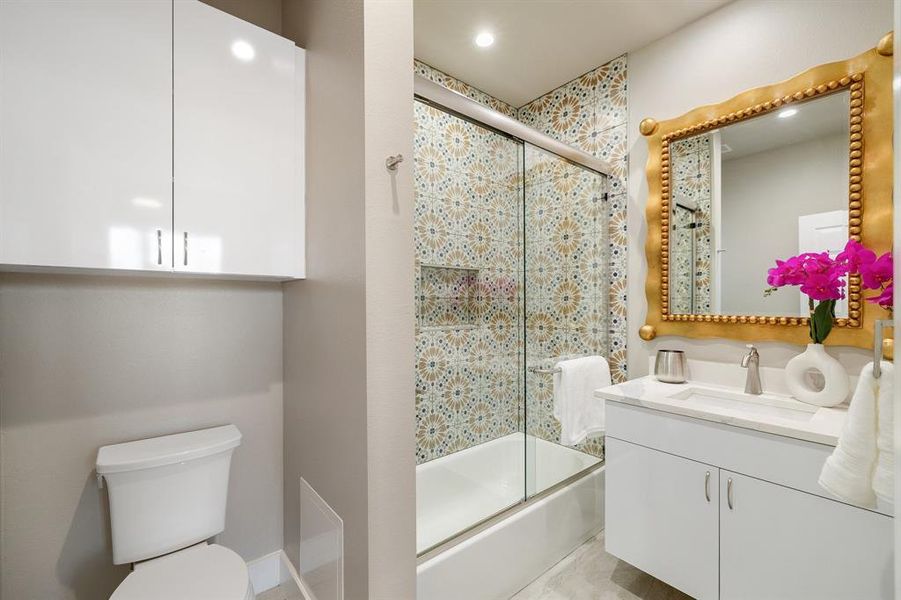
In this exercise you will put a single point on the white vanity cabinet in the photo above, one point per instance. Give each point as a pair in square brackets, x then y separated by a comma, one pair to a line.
[767, 531]
[236, 211]
[662, 514]
[86, 134]
[149, 135]
[776, 542]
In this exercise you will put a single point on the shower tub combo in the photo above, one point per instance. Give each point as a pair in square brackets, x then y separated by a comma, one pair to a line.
[457, 490]
[510, 245]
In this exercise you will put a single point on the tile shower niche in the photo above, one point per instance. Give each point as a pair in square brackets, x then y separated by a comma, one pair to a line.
[449, 297]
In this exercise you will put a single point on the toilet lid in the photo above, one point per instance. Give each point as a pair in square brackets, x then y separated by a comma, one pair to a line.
[198, 573]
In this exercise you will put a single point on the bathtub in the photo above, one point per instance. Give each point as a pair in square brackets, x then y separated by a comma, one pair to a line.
[464, 488]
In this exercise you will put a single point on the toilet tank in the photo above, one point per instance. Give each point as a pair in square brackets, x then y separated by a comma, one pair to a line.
[167, 493]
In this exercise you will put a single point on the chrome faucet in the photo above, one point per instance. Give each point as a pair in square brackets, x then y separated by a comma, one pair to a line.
[751, 362]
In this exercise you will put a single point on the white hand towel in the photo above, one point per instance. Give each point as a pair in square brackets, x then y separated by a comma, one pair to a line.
[579, 412]
[848, 473]
[884, 475]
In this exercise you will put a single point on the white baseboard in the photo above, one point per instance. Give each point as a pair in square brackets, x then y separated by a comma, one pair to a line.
[273, 570]
[265, 572]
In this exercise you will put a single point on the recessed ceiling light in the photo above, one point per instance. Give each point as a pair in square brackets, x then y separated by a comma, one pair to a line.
[243, 51]
[484, 39]
[788, 112]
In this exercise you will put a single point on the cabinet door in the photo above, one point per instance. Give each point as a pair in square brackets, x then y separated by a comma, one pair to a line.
[662, 516]
[235, 206]
[86, 134]
[778, 543]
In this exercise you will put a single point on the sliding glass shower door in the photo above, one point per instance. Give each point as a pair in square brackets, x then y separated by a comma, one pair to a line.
[566, 302]
[510, 272]
[468, 182]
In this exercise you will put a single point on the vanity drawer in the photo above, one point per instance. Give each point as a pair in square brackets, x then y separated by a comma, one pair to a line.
[778, 459]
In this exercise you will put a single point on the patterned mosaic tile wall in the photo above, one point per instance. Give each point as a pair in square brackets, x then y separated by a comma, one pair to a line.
[692, 186]
[467, 224]
[567, 279]
[451, 83]
[591, 113]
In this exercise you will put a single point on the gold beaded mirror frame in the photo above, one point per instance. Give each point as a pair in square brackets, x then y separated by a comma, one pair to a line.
[868, 79]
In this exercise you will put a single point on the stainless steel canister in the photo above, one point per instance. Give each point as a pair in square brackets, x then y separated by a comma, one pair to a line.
[670, 366]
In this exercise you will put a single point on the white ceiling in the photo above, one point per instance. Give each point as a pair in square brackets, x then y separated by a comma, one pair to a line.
[815, 119]
[540, 44]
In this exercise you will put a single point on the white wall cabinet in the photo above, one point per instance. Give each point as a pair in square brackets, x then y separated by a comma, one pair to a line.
[755, 538]
[662, 516]
[149, 135]
[236, 210]
[86, 134]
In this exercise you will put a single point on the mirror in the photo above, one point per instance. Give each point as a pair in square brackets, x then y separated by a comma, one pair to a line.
[751, 192]
[802, 165]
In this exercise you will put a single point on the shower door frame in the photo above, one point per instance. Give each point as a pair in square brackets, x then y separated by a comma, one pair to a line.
[455, 102]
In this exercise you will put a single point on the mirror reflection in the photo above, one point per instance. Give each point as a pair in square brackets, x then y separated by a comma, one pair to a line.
[752, 192]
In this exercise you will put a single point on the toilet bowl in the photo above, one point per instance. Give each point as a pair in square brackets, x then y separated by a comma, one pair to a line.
[201, 572]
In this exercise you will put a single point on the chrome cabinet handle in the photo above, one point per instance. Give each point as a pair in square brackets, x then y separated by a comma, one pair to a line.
[186, 248]
[707, 485]
[159, 246]
[729, 493]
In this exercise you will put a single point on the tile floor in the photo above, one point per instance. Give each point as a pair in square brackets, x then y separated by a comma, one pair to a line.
[282, 592]
[589, 573]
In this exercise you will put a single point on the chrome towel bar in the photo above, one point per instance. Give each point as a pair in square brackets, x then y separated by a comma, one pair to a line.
[544, 370]
[877, 345]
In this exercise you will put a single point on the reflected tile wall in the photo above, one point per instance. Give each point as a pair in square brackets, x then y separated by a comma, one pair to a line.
[681, 256]
[469, 263]
[692, 184]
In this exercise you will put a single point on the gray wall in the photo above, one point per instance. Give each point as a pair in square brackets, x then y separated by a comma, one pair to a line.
[763, 196]
[745, 44]
[263, 13]
[87, 361]
[390, 317]
[349, 325]
[325, 321]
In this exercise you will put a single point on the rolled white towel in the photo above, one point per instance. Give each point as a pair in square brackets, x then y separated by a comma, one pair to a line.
[848, 473]
[884, 475]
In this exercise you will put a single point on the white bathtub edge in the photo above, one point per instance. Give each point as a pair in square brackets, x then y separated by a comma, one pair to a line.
[504, 558]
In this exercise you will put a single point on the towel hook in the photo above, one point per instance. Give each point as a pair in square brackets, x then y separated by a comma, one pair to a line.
[392, 161]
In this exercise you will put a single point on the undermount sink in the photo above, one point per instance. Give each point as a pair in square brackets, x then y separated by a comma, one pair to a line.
[728, 402]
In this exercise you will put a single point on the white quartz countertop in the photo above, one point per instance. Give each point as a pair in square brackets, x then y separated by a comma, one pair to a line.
[810, 423]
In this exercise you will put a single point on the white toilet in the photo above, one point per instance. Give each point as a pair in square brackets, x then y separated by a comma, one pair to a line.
[167, 497]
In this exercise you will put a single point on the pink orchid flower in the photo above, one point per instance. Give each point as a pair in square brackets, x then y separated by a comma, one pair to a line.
[854, 256]
[823, 286]
[878, 272]
[886, 299]
[816, 272]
